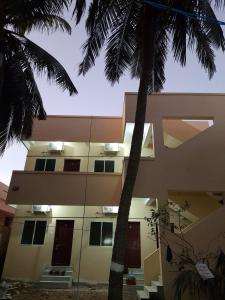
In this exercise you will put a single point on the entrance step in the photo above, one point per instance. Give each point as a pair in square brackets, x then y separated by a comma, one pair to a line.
[57, 277]
[153, 292]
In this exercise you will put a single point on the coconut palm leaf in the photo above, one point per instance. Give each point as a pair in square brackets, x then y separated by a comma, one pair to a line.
[79, 9]
[120, 45]
[50, 23]
[101, 16]
[20, 100]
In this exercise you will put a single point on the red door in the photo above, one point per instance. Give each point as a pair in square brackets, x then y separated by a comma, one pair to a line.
[133, 250]
[72, 165]
[63, 243]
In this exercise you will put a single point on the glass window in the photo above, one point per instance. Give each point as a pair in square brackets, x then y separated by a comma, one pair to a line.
[45, 164]
[39, 234]
[95, 234]
[109, 166]
[99, 166]
[104, 166]
[33, 232]
[50, 165]
[28, 231]
[107, 228]
[39, 165]
[101, 234]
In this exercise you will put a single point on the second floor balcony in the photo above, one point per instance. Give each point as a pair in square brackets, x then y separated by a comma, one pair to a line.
[64, 188]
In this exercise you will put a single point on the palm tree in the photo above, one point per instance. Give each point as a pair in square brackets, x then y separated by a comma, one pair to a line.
[20, 100]
[138, 36]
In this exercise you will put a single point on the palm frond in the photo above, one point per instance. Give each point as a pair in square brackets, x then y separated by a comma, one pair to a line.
[43, 62]
[121, 44]
[98, 29]
[79, 9]
[157, 73]
[21, 100]
[203, 46]
[179, 34]
[28, 8]
[212, 29]
[49, 23]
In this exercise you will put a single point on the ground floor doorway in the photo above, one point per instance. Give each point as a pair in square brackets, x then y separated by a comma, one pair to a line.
[133, 248]
[62, 248]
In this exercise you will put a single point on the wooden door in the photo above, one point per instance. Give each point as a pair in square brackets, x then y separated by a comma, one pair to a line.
[63, 243]
[72, 165]
[133, 249]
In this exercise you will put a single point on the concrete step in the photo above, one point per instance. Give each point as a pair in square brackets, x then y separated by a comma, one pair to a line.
[136, 270]
[55, 278]
[157, 283]
[55, 284]
[150, 289]
[67, 272]
[60, 267]
[142, 295]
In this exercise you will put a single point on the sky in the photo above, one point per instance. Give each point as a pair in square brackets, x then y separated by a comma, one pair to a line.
[96, 96]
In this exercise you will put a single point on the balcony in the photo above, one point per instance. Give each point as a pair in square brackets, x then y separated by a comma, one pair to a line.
[64, 188]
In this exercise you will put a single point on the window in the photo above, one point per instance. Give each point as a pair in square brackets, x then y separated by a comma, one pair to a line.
[44, 164]
[101, 234]
[104, 166]
[71, 165]
[33, 232]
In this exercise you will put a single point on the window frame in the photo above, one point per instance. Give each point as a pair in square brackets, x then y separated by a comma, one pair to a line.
[33, 233]
[45, 164]
[104, 165]
[101, 245]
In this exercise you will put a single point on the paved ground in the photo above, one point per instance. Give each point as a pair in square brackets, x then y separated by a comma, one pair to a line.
[31, 293]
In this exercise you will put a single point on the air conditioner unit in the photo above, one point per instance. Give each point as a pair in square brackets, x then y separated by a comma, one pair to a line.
[55, 146]
[110, 209]
[41, 209]
[111, 147]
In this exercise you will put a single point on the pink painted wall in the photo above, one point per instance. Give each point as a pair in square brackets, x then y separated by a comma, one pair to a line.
[79, 129]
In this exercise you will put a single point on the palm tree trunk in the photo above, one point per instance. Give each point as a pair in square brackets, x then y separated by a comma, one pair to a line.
[117, 264]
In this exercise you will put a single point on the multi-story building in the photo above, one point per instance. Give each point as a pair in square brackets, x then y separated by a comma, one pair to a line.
[68, 194]
[6, 216]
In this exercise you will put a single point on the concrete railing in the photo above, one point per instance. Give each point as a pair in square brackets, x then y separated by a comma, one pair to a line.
[65, 188]
[151, 267]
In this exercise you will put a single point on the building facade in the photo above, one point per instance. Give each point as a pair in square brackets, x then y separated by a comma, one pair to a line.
[6, 216]
[68, 194]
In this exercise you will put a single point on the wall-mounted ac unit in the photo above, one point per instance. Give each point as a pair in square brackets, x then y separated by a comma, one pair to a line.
[41, 209]
[55, 146]
[111, 147]
[110, 209]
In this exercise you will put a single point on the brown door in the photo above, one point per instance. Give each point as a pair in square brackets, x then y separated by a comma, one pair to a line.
[133, 250]
[72, 165]
[63, 243]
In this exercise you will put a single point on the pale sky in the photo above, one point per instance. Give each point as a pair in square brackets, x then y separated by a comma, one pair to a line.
[96, 95]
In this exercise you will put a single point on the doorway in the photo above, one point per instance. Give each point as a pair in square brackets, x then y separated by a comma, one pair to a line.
[133, 248]
[71, 165]
[63, 243]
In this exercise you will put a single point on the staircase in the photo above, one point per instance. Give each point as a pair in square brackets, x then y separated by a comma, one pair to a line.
[57, 277]
[153, 291]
